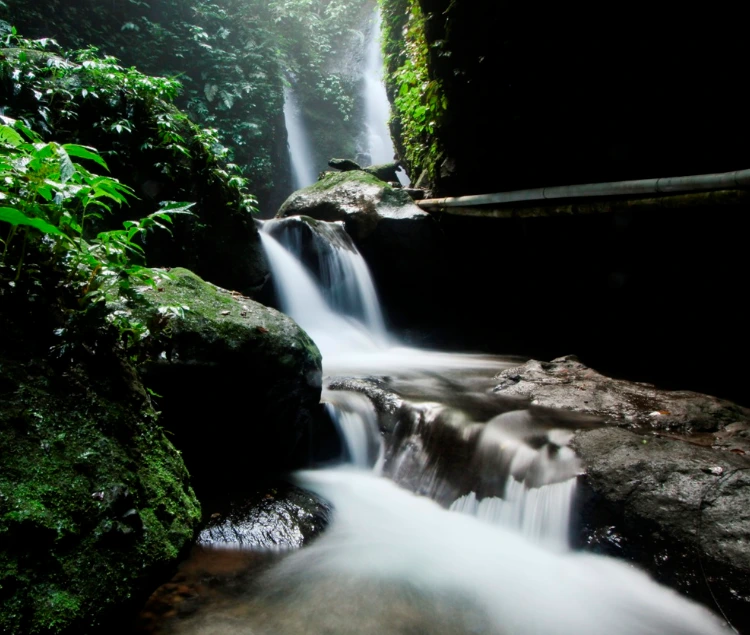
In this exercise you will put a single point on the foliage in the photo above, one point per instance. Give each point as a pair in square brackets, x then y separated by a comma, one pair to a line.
[419, 100]
[223, 54]
[48, 197]
[232, 57]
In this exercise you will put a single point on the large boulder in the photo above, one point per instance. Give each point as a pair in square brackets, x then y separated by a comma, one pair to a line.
[359, 199]
[403, 245]
[667, 480]
[95, 502]
[239, 383]
[675, 507]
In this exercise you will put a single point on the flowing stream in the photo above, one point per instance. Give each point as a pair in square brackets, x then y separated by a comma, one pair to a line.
[493, 556]
[479, 544]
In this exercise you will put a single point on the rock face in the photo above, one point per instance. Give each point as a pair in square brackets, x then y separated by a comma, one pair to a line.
[239, 382]
[95, 503]
[403, 245]
[667, 480]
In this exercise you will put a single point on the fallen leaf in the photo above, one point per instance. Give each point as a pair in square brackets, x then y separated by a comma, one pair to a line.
[260, 329]
[737, 451]
[225, 312]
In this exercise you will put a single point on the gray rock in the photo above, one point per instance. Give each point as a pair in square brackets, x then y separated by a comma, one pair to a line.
[355, 197]
[667, 481]
[276, 517]
[345, 165]
[676, 508]
[385, 171]
[567, 383]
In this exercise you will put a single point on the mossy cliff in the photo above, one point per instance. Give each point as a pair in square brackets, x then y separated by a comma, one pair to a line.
[507, 95]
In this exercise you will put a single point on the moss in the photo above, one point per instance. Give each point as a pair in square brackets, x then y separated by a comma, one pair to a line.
[93, 499]
[214, 320]
[334, 179]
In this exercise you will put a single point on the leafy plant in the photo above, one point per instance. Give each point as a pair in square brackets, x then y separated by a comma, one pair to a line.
[419, 101]
[48, 198]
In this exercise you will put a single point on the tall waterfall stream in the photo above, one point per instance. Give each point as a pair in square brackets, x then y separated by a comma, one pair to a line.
[481, 547]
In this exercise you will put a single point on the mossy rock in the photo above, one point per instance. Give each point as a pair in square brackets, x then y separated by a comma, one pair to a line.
[239, 382]
[356, 197]
[95, 502]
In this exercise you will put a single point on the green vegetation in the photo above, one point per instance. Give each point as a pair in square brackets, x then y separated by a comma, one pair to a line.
[232, 58]
[418, 99]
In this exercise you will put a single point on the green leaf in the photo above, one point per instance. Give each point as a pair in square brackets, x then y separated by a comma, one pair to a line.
[15, 217]
[67, 169]
[84, 152]
[8, 136]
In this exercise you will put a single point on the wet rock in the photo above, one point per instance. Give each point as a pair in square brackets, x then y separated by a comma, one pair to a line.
[359, 199]
[667, 481]
[344, 165]
[566, 383]
[387, 172]
[277, 517]
[238, 382]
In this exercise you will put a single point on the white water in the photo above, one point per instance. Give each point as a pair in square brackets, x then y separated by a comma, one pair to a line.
[357, 422]
[392, 563]
[300, 155]
[345, 280]
[377, 109]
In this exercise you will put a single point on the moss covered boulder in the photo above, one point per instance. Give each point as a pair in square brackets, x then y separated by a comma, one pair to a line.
[359, 199]
[95, 504]
[239, 382]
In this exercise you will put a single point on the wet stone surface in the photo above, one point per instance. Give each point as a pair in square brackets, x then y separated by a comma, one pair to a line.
[275, 517]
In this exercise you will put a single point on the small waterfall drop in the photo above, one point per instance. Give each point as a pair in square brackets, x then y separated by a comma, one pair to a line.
[344, 279]
[356, 420]
[301, 299]
[303, 170]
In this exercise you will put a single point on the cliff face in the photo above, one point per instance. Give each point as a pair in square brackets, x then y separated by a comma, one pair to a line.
[557, 93]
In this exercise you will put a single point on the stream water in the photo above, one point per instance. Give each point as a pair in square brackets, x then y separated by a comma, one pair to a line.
[479, 545]
[492, 557]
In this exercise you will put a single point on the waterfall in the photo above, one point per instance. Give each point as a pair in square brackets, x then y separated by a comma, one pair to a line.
[377, 108]
[344, 279]
[356, 421]
[300, 155]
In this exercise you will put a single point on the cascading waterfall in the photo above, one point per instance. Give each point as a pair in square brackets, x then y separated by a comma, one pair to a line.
[345, 280]
[394, 562]
[377, 108]
[303, 169]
